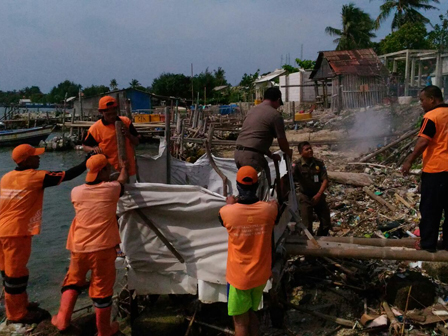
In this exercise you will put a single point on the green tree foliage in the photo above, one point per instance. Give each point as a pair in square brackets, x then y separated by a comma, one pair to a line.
[409, 36]
[57, 93]
[357, 29]
[113, 84]
[134, 84]
[405, 11]
[247, 85]
[95, 90]
[305, 64]
[438, 37]
[169, 84]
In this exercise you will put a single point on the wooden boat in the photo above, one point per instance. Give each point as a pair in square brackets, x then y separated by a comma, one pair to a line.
[30, 136]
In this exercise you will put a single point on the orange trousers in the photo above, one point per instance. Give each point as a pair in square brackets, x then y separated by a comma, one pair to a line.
[14, 255]
[102, 267]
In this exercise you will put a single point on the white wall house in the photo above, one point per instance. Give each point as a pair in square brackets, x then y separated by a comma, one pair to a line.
[297, 87]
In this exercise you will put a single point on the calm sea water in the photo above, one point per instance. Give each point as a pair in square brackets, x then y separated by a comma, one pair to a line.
[49, 258]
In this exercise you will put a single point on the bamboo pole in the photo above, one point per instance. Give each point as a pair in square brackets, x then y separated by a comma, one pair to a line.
[367, 253]
[404, 242]
[379, 199]
[393, 143]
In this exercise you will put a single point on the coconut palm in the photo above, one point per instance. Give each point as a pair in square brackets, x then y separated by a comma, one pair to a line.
[405, 11]
[134, 83]
[113, 84]
[357, 29]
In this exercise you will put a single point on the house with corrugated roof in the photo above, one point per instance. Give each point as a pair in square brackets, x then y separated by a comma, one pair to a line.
[357, 78]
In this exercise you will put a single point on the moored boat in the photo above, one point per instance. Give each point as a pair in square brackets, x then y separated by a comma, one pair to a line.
[30, 136]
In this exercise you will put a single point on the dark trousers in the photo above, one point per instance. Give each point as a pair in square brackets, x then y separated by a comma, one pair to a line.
[253, 159]
[434, 201]
[322, 212]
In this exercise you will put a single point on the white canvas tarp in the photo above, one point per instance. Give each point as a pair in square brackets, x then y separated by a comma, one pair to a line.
[187, 215]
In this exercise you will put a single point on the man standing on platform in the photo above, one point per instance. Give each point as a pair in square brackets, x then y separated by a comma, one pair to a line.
[263, 123]
[311, 176]
[21, 200]
[433, 144]
[102, 139]
[250, 223]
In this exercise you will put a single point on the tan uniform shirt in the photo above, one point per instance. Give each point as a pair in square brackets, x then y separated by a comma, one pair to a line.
[309, 176]
[262, 124]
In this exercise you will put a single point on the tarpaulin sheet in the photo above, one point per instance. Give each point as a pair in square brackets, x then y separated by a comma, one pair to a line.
[187, 215]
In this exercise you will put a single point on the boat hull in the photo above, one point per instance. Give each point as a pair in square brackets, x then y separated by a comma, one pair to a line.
[30, 136]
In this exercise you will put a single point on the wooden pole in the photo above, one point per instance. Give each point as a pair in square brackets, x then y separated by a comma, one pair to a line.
[128, 109]
[207, 144]
[81, 112]
[63, 120]
[393, 143]
[29, 119]
[121, 142]
[168, 145]
[160, 235]
[379, 199]
[406, 75]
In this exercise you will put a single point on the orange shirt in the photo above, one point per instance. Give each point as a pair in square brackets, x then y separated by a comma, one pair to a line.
[106, 138]
[95, 226]
[435, 129]
[21, 199]
[250, 229]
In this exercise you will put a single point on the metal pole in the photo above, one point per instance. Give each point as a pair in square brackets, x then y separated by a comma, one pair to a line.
[168, 145]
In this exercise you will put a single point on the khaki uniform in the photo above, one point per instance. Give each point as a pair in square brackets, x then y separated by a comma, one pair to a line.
[309, 178]
[263, 123]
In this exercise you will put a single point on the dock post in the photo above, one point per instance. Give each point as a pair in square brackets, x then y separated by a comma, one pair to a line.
[168, 145]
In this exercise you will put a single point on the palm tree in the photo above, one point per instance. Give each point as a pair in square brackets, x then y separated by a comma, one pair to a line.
[406, 11]
[134, 83]
[113, 84]
[357, 29]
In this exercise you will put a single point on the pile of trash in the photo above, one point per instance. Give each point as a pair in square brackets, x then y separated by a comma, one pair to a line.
[59, 143]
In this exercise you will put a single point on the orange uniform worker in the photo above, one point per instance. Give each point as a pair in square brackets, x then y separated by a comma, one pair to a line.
[21, 199]
[101, 137]
[92, 239]
[250, 223]
[433, 144]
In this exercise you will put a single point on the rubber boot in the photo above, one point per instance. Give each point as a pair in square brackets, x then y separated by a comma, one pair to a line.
[63, 317]
[105, 328]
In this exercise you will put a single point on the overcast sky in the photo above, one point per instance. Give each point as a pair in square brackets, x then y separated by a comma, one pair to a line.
[92, 41]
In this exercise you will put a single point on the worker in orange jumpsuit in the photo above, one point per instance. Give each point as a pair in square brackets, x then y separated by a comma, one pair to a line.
[92, 239]
[102, 139]
[21, 199]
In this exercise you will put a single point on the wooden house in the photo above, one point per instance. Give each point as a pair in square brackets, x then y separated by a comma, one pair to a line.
[358, 78]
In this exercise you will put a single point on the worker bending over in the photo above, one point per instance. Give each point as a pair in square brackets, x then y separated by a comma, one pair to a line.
[92, 239]
[311, 176]
[433, 143]
[250, 224]
[21, 199]
[263, 123]
[102, 139]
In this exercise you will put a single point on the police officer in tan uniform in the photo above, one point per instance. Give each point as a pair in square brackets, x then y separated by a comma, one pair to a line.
[311, 176]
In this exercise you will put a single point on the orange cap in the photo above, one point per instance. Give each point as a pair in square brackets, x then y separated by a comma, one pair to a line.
[107, 102]
[94, 165]
[247, 175]
[23, 152]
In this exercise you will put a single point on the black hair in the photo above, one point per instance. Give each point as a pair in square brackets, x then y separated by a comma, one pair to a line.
[273, 94]
[433, 91]
[248, 187]
[302, 144]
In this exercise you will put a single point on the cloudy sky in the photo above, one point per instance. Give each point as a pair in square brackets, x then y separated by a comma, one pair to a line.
[92, 41]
